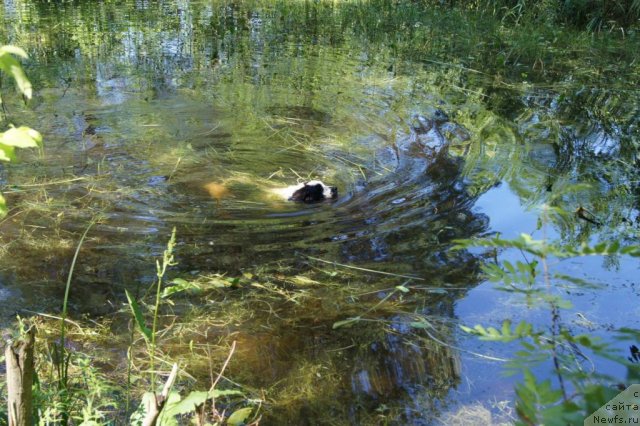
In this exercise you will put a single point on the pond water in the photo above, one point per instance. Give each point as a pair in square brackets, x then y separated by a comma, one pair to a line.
[188, 114]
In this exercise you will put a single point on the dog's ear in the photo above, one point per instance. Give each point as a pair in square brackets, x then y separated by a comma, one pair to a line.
[315, 192]
[308, 194]
[299, 194]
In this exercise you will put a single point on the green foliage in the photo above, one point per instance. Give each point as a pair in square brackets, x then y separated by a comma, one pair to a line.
[88, 399]
[195, 399]
[15, 137]
[150, 334]
[191, 404]
[543, 248]
[138, 316]
[540, 402]
[179, 285]
[138, 416]
[12, 67]
[506, 334]
[18, 137]
[239, 417]
[175, 406]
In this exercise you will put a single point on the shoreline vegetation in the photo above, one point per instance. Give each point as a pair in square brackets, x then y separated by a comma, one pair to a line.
[198, 346]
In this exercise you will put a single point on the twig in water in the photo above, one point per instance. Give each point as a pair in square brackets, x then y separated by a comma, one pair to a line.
[174, 169]
[56, 182]
[411, 277]
[360, 167]
[41, 314]
[224, 366]
[215, 412]
[295, 173]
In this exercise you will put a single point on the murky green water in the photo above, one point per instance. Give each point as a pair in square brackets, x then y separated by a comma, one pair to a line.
[144, 105]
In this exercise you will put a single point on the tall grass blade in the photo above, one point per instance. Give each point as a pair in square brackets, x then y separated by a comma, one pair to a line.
[137, 315]
[67, 289]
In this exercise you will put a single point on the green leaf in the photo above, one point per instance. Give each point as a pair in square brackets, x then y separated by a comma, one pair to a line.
[21, 137]
[509, 267]
[524, 329]
[584, 340]
[224, 392]
[528, 346]
[11, 66]
[493, 333]
[239, 416]
[506, 328]
[138, 416]
[423, 324]
[188, 405]
[575, 280]
[522, 354]
[495, 274]
[301, 280]
[7, 153]
[178, 285]
[219, 281]
[345, 323]
[166, 419]
[137, 314]
[15, 50]
[3, 207]
[466, 329]
[600, 248]
[631, 250]
[529, 381]
[614, 247]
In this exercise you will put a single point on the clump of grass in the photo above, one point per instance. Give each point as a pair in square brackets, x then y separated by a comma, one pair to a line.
[88, 393]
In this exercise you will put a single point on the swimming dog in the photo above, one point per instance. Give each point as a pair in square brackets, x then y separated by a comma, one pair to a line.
[313, 191]
[308, 192]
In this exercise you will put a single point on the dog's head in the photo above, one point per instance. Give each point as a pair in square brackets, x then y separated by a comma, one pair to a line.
[314, 191]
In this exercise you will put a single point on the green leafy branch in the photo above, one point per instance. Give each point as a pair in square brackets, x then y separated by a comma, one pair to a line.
[505, 334]
[538, 402]
[543, 248]
[15, 137]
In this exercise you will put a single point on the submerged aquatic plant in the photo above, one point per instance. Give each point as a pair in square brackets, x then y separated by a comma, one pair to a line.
[74, 387]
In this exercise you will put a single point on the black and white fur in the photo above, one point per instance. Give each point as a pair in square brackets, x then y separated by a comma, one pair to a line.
[309, 192]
